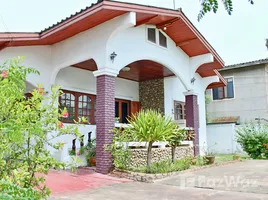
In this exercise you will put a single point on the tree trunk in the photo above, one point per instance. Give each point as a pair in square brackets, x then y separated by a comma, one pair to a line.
[149, 152]
[173, 149]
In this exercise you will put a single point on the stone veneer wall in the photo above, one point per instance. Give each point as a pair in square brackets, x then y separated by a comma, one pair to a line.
[152, 94]
[139, 156]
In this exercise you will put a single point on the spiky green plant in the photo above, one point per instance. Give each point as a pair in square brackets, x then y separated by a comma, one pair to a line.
[150, 126]
[175, 140]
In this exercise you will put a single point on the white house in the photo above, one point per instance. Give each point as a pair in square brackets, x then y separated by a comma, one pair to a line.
[113, 58]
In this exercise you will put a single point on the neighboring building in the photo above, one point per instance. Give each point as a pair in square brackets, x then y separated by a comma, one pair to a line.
[245, 97]
[114, 58]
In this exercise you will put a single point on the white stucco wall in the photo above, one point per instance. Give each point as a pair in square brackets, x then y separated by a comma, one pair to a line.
[171, 57]
[173, 90]
[38, 57]
[130, 44]
[80, 80]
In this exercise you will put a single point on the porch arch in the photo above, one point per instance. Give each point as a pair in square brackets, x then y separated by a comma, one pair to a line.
[90, 64]
[159, 60]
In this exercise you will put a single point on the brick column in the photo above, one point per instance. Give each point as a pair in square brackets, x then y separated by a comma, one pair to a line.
[192, 117]
[105, 114]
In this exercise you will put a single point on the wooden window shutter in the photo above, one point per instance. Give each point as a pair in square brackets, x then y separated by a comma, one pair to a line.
[135, 107]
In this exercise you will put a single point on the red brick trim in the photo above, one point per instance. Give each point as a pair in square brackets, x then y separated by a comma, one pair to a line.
[105, 114]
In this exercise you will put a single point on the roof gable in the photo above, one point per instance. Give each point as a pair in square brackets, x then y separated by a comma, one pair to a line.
[173, 22]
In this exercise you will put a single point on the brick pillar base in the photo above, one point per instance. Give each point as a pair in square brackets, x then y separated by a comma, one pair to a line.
[105, 112]
[192, 118]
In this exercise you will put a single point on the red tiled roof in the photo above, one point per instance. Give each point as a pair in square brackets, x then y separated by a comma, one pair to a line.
[173, 22]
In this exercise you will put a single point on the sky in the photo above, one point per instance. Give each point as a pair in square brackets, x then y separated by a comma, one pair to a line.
[237, 38]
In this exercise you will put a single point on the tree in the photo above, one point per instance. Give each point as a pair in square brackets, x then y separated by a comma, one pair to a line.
[150, 126]
[26, 125]
[213, 5]
[175, 140]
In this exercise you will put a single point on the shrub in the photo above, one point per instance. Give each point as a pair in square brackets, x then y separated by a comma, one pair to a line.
[120, 152]
[25, 130]
[10, 191]
[151, 126]
[253, 138]
[90, 151]
[175, 140]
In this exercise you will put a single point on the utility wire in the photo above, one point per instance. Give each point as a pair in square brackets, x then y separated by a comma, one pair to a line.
[7, 29]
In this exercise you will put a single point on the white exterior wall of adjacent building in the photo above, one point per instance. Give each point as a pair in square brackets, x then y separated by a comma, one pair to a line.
[221, 139]
[130, 44]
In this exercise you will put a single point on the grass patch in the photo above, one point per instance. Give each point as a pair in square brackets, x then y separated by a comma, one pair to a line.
[180, 165]
[228, 157]
[164, 167]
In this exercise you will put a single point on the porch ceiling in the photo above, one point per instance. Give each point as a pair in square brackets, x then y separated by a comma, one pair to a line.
[145, 70]
[173, 22]
[139, 71]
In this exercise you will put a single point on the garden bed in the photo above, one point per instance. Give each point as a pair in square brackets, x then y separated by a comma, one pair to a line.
[149, 178]
[139, 156]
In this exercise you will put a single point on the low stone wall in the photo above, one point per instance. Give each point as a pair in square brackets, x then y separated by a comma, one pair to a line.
[150, 178]
[139, 156]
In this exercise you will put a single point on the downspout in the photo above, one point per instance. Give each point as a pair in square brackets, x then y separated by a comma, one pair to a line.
[266, 86]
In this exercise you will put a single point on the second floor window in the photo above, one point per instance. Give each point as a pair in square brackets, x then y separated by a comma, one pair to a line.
[156, 36]
[151, 35]
[162, 40]
[226, 92]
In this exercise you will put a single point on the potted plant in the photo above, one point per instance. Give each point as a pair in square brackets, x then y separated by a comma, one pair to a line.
[209, 157]
[91, 153]
[236, 156]
[72, 152]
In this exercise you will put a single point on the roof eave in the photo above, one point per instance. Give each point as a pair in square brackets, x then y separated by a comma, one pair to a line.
[248, 64]
[112, 5]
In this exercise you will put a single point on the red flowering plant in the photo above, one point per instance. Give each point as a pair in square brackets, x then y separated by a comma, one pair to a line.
[27, 127]
[4, 74]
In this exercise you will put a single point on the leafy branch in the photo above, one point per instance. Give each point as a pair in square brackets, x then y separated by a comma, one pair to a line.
[213, 5]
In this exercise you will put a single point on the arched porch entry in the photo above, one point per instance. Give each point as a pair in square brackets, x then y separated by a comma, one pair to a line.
[149, 76]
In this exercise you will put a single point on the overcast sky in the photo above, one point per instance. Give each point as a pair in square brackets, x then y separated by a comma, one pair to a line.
[237, 38]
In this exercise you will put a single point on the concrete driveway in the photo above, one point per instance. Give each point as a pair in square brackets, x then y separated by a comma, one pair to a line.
[246, 180]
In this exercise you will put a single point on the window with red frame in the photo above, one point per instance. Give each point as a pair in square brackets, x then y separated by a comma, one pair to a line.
[179, 110]
[78, 105]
